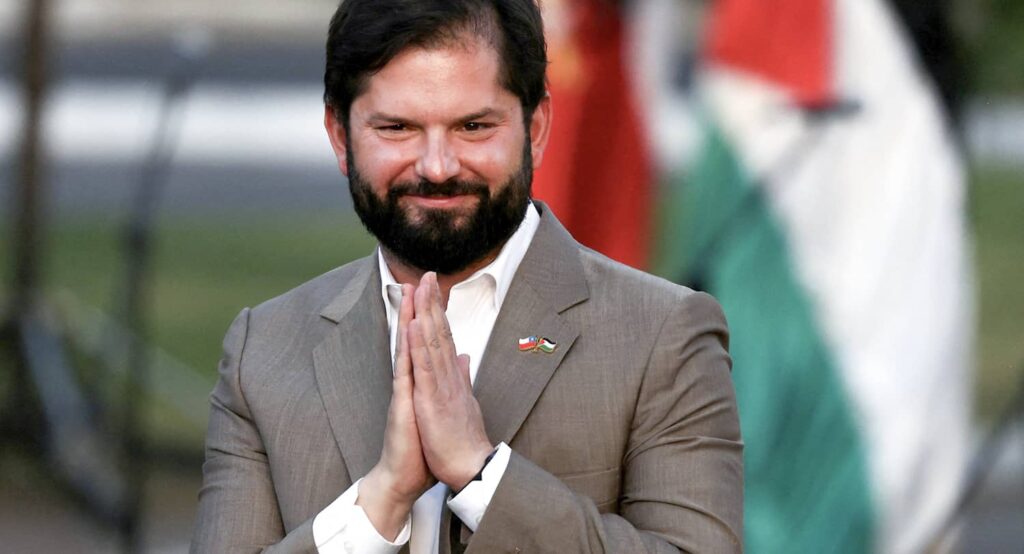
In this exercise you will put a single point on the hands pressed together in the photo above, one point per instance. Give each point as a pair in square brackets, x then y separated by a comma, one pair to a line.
[435, 430]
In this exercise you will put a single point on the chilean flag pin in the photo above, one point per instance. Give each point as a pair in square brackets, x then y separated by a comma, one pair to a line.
[529, 344]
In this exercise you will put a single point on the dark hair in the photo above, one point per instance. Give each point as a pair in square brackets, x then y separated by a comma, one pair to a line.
[365, 35]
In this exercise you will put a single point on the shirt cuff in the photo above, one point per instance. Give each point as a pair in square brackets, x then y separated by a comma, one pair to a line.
[343, 527]
[471, 503]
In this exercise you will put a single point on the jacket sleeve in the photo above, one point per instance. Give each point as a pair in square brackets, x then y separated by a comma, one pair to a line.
[238, 509]
[682, 480]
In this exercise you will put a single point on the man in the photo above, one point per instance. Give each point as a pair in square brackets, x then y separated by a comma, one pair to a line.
[482, 382]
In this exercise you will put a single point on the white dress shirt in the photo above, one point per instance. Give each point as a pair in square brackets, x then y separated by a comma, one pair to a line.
[473, 307]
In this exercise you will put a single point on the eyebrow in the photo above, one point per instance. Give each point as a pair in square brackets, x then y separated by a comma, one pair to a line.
[386, 118]
[381, 117]
[486, 112]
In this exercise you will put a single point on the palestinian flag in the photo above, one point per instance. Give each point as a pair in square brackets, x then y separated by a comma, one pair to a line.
[826, 213]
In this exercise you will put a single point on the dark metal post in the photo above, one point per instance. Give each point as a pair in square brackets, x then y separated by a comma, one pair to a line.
[27, 202]
[18, 416]
[138, 247]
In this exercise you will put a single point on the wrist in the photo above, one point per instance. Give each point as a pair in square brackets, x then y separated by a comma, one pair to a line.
[385, 485]
[386, 509]
[477, 464]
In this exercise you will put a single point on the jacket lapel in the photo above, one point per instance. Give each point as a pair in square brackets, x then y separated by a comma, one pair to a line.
[353, 369]
[549, 281]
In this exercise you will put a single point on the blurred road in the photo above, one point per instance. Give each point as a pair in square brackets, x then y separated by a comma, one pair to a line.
[252, 140]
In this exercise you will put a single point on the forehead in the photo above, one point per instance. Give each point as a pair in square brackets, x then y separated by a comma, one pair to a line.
[459, 75]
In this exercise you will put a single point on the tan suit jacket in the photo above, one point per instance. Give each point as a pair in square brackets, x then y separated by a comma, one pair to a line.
[624, 439]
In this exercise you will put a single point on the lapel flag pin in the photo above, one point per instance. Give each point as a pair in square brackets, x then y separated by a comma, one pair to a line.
[546, 346]
[529, 344]
[537, 344]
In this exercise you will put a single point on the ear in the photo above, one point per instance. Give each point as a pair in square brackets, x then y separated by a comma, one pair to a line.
[540, 129]
[336, 134]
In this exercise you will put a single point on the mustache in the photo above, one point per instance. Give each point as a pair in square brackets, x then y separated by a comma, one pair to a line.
[451, 187]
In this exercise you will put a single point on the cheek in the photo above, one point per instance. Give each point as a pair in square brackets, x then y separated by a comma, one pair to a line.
[494, 162]
[383, 162]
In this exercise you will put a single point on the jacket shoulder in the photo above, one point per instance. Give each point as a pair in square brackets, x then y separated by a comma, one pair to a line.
[611, 279]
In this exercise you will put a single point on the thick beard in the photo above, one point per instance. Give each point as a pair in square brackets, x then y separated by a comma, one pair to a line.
[445, 241]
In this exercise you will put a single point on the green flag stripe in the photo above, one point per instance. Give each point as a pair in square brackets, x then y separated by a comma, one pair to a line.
[807, 486]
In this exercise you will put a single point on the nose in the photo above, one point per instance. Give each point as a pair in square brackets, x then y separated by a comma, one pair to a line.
[438, 161]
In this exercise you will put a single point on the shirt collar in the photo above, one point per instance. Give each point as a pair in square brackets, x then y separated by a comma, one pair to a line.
[501, 270]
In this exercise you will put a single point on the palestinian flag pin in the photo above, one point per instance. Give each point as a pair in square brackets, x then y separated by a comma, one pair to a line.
[546, 345]
[537, 344]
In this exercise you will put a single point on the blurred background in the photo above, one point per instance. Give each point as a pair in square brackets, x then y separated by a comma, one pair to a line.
[846, 176]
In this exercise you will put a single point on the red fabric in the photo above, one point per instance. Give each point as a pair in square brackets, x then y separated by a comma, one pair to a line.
[596, 175]
[788, 42]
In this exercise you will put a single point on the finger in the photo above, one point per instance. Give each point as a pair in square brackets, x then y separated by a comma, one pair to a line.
[406, 310]
[403, 364]
[402, 388]
[440, 319]
[438, 313]
[463, 361]
[436, 304]
[439, 347]
[424, 376]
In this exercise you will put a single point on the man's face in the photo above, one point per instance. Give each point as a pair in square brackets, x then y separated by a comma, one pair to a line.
[438, 159]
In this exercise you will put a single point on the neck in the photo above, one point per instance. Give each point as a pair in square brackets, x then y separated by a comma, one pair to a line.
[407, 274]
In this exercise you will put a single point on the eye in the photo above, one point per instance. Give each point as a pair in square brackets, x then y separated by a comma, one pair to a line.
[394, 131]
[476, 126]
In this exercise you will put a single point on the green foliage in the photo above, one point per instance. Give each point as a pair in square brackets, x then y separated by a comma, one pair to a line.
[204, 270]
[991, 34]
[997, 206]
